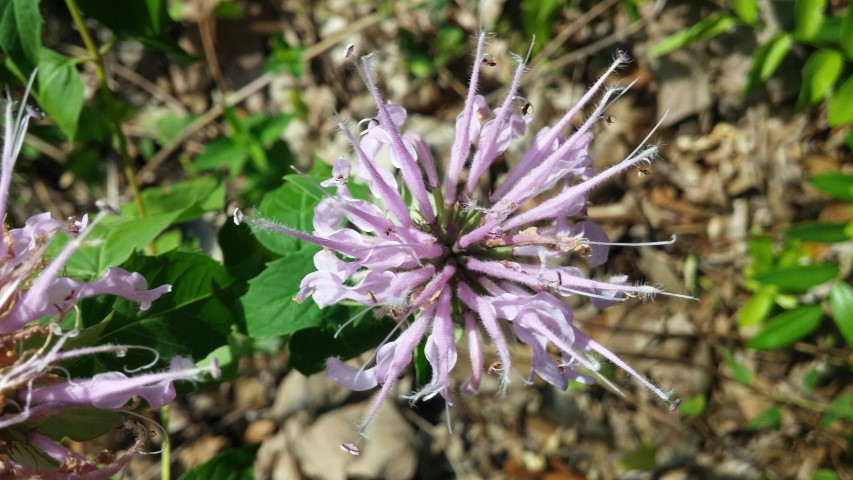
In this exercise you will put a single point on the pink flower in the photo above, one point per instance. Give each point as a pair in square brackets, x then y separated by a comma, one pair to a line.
[444, 256]
[32, 387]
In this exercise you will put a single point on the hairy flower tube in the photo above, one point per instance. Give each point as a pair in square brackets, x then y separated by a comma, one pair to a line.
[445, 256]
[34, 349]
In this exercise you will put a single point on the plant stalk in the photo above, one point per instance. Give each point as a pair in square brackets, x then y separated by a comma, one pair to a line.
[98, 60]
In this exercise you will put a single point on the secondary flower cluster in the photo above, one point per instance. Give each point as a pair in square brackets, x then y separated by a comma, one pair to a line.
[34, 385]
[443, 256]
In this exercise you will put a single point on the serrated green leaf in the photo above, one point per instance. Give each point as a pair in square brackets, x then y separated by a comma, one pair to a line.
[808, 16]
[60, 91]
[767, 59]
[193, 319]
[20, 34]
[710, 27]
[821, 232]
[788, 327]
[820, 72]
[769, 418]
[758, 307]
[841, 306]
[798, 278]
[269, 304]
[741, 374]
[836, 184]
[230, 465]
[841, 105]
[746, 10]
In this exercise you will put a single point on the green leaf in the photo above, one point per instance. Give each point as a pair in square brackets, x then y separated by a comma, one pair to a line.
[710, 27]
[60, 91]
[20, 34]
[422, 366]
[835, 184]
[230, 465]
[189, 199]
[746, 10]
[222, 152]
[808, 17]
[130, 19]
[167, 127]
[840, 408]
[741, 373]
[769, 418]
[829, 33]
[230, 10]
[811, 379]
[758, 307]
[117, 238]
[285, 58]
[761, 252]
[291, 205]
[310, 348]
[450, 41]
[269, 304]
[80, 425]
[538, 18]
[841, 105]
[798, 278]
[693, 406]
[820, 72]
[124, 237]
[821, 232]
[270, 128]
[846, 41]
[767, 59]
[841, 306]
[193, 319]
[824, 474]
[643, 458]
[788, 327]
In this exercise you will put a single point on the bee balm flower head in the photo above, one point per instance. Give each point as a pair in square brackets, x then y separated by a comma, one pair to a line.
[456, 258]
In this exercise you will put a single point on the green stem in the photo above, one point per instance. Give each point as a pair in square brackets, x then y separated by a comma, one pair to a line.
[100, 72]
[166, 454]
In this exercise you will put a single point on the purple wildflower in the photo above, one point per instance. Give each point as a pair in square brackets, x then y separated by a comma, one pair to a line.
[32, 385]
[454, 258]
